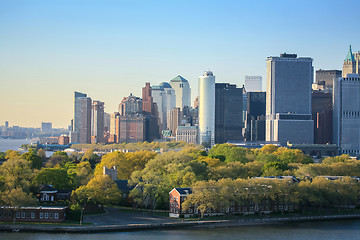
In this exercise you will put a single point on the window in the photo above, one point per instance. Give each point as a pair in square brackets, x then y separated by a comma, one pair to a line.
[46, 215]
[22, 214]
[32, 214]
[56, 215]
[17, 214]
[51, 215]
[41, 215]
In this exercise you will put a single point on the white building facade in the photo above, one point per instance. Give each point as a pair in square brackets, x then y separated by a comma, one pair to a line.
[253, 83]
[182, 91]
[207, 109]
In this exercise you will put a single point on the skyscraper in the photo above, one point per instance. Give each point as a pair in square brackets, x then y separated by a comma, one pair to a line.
[147, 99]
[256, 108]
[253, 83]
[82, 119]
[97, 122]
[346, 114]
[182, 91]
[228, 113]
[288, 99]
[164, 96]
[207, 109]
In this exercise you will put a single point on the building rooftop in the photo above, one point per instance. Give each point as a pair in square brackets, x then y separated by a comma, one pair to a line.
[349, 56]
[157, 88]
[167, 85]
[179, 79]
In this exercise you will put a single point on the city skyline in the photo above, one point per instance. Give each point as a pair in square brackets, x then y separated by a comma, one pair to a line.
[108, 50]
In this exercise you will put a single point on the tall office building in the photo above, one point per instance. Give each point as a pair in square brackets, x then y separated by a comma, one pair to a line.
[322, 115]
[346, 114]
[228, 113]
[182, 91]
[147, 99]
[174, 118]
[164, 96]
[253, 83]
[349, 66]
[255, 124]
[130, 105]
[207, 109]
[288, 99]
[357, 59]
[97, 122]
[82, 119]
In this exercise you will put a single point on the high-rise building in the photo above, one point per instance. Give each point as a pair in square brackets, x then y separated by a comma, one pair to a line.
[114, 128]
[349, 66]
[82, 119]
[46, 126]
[164, 96]
[253, 83]
[346, 114]
[6, 124]
[357, 58]
[322, 115]
[130, 105]
[97, 122]
[256, 108]
[106, 122]
[174, 118]
[182, 91]
[288, 100]
[326, 78]
[147, 99]
[207, 109]
[228, 113]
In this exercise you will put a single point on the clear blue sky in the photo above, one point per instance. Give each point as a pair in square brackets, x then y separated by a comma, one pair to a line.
[107, 49]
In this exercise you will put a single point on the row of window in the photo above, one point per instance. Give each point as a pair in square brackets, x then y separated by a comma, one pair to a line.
[42, 215]
[351, 113]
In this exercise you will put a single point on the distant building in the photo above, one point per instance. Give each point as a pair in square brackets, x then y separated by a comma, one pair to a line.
[182, 91]
[187, 134]
[346, 114]
[46, 126]
[326, 78]
[322, 115]
[164, 97]
[253, 83]
[6, 124]
[131, 105]
[228, 112]
[33, 214]
[64, 140]
[132, 129]
[174, 118]
[114, 127]
[288, 99]
[255, 118]
[349, 66]
[207, 109]
[107, 122]
[196, 102]
[97, 122]
[82, 119]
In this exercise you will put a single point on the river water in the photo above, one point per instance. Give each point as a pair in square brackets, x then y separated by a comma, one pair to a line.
[15, 144]
[329, 230]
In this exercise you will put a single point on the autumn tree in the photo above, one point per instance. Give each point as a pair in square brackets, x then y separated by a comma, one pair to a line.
[100, 190]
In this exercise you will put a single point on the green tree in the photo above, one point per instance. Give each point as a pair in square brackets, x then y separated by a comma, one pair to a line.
[34, 159]
[56, 177]
[16, 173]
[231, 153]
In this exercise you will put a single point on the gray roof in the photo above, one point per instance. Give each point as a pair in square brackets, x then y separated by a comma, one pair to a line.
[184, 191]
[179, 79]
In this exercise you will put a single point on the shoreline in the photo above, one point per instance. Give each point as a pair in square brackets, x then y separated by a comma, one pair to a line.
[168, 225]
